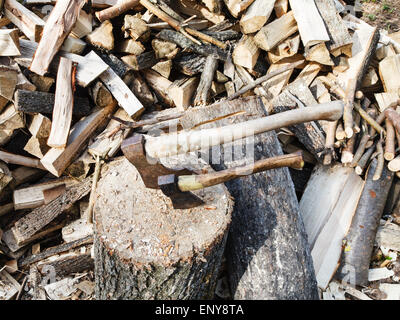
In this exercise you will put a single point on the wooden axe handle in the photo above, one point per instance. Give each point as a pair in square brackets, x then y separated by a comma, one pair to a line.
[187, 141]
[195, 182]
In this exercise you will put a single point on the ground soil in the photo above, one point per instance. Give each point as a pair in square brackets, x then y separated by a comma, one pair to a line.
[384, 14]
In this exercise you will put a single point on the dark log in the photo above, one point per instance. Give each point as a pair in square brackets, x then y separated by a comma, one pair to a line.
[43, 102]
[190, 63]
[225, 35]
[144, 249]
[359, 241]
[266, 223]
[185, 43]
[142, 61]
[119, 67]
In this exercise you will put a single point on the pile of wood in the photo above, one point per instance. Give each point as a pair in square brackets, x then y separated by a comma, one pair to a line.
[78, 77]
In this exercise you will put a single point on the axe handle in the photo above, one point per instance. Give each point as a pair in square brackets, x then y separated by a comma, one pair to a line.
[195, 182]
[183, 142]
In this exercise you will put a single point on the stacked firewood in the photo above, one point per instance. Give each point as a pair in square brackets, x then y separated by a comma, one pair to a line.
[77, 78]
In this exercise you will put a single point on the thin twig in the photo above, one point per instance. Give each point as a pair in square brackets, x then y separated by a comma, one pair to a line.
[93, 191]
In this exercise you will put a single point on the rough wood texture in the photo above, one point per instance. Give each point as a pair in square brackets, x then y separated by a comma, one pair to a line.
[256, 15]
[163, 253]
[9, 42]
[264, 229]
[360, 239]
[203, 89]
[246, 52]
[43, 102]
[63, 105]
[60, 22]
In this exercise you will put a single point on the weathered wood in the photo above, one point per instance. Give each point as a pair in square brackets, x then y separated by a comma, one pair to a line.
[341, 41]
[37, 147]
[116, 9]
[281, 7]
[63, 105]
[163, 67]
[327, 207]
[10, 121]
[20, 160]
[389, 69]
[135, 28]
[131, 46]
[190, 64]
[60, 22]
[26, 21]
[142, 90]
[320, 54]
[203, 89]
[181, 92]
[191, 7]
[160, 86]
[311, 26]
[57, 160]
[125, 97]
[29, 227]
[175, 258]
[9, 42]
[256, 15]
[287, 48]
[142, 61]
[255, 238]
[43, 102]
[73, 45]
[185, 43]
[360, 238]
[275, 32]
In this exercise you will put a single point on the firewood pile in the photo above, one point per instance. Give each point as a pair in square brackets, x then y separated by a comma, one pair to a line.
[84, 83]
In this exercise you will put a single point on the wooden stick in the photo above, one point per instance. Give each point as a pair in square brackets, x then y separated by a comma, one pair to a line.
[360, 150]
[381, 161]
[116, 10]
[364, 160]
[92, 198]
[348, 108]
[390, 141]
[178, 143]
[63, 104]
[369, 119]
[60, 22]
[20, 160]
[394, 117]
[265, 78]
[330, 141]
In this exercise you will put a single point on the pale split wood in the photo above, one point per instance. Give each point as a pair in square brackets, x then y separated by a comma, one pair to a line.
[9, 42]
[256, 15]
[63, 105]
[60, 22]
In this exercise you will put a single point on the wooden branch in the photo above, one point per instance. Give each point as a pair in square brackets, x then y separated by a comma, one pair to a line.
[265, 78]
[125, 97]
[43, 102]
[60, 22]
[256, 15]
[203, 89]
[116, 10]
[389, 141]
[26, 21]
[9, 42]
[63, 105]
[20, 160]
[57, 160]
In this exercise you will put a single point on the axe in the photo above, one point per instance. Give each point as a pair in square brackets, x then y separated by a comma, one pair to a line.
[144, 153]
[178, 187]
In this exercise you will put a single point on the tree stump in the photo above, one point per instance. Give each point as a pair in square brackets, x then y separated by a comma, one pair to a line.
[268, 255]
[144, 249]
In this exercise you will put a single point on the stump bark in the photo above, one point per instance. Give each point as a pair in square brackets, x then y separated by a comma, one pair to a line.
[144, 249]
[268, 256]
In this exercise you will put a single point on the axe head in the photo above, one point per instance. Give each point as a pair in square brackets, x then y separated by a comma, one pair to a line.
[180, 200]
[149, 169]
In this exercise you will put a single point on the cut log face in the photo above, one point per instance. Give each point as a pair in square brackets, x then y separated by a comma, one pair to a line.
[177, 239]
[102, 36]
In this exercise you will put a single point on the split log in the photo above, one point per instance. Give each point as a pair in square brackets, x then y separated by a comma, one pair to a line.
[163, 67]
[275, 32]
[125, 97]
[87, 70]
[160, 86]
[170, 238]
[56, 29]
[142, 90]
[26, 21]
[311, 26]
[255, 238]
[63, 105]
[389, 69]
[360, 239]
[9, 42]
[131, 46]
[8, 83]
[42, 83]
[43, 102]
[39, 126]
[135, 28]
[181, 92]
[287, 48]
[57, 160]
[10, 121]
[203, 89]
[327, 217]
[191, 7]
[142, 61]
[83, 25]
[37, 147]
[341, 41]
[246, 52]
[256, 15]
[281, 7]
